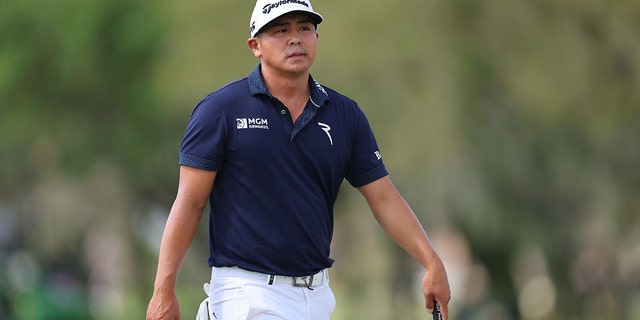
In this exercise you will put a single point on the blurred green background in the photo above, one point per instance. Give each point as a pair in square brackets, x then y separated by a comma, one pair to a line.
[511, 127]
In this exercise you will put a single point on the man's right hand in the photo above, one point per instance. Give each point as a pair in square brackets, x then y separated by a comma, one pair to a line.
[163, 307]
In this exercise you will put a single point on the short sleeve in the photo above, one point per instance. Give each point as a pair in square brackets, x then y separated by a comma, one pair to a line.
[203, 144]
[366, 163]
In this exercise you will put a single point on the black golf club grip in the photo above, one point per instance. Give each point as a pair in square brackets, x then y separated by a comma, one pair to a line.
[437, 315]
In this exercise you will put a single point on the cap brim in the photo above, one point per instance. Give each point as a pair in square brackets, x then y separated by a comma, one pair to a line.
[316, 18]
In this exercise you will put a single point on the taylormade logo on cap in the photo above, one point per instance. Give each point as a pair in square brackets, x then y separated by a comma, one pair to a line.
[266, 11]
[270, 6]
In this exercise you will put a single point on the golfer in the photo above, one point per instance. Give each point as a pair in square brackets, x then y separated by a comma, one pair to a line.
[269, 153]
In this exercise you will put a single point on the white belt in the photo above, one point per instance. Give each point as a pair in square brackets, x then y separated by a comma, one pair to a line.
[303, 281]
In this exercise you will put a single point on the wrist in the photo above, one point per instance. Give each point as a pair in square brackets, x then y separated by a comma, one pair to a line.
[164, 286]
[431, 260]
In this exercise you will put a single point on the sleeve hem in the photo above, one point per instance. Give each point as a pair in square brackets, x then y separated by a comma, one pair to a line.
[368, 176]
[200, 163]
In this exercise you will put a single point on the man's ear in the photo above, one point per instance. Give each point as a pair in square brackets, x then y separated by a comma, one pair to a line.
[254, 46]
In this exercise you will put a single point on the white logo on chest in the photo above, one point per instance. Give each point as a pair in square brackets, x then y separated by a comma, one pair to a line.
[326, 128]
[252, 123]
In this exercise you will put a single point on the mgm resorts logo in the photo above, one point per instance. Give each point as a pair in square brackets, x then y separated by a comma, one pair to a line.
[252, 123]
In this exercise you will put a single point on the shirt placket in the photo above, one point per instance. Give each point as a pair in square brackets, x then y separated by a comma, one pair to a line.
[305, 118]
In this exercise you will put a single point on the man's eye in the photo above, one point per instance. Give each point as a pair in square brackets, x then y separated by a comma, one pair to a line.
[281, 30]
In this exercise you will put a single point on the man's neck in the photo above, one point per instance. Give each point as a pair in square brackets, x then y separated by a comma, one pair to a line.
[291, 89]
[287, 86]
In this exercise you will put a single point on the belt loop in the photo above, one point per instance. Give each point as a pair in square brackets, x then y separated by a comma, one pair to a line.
[272, 278]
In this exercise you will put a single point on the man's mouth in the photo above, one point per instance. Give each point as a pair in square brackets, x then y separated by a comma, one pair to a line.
[297, 54]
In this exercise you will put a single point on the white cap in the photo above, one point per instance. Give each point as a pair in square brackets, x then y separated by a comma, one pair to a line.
[266, 11]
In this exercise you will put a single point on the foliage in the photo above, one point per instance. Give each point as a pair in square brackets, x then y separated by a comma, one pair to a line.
[511, 128]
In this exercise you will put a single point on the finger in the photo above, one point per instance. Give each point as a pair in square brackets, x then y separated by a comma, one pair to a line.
[444, 309]
[428, 299]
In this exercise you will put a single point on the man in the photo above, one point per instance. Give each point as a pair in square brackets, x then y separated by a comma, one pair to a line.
[269, 152]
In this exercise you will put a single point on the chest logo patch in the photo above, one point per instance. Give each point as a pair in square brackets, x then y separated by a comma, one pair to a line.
[326, 128]
[252, 123]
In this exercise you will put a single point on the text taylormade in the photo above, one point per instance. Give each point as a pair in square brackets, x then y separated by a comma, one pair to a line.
[267, 8]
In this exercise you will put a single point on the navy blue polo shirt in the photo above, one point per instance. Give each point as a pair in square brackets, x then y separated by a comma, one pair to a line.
[271, 207]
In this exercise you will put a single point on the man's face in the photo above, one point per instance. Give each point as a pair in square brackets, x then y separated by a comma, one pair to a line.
[287, 45]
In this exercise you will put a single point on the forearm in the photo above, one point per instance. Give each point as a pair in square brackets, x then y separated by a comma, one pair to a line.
[401, 224]
[398, 220]
[179, 232]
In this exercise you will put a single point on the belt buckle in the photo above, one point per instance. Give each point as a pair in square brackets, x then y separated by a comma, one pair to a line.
[306, 281]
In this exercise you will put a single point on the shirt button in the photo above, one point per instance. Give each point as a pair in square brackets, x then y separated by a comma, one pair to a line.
[283, 111]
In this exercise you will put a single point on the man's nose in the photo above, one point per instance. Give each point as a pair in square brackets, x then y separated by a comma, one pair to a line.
[295, 39]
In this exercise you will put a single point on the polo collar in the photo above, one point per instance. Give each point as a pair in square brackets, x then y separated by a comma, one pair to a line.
[257, 86]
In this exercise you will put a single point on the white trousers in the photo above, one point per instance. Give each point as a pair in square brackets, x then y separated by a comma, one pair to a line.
[237, 294]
